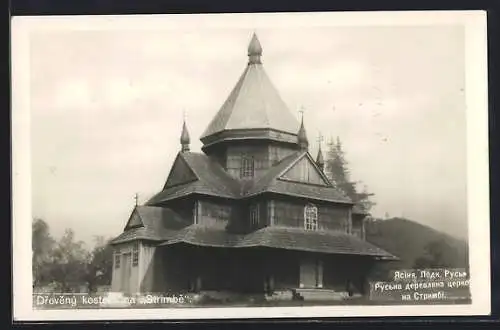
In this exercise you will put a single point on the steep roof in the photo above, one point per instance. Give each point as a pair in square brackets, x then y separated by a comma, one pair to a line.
[156, 224]
[210, 179]
[254, 102]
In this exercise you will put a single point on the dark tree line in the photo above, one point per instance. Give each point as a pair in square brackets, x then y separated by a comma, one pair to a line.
[66, 264]
[438, 254]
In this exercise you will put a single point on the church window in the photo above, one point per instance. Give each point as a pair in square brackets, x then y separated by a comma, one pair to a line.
[254, 215]
[135, 254]
[247, 167]
[117, 259]
[311, 217]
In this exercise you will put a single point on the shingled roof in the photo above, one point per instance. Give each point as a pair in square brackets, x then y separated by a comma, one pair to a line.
[312, 241]
[298, 239]
[166, 227]
[157, 224]
[254, 102]
[272, 182]
[213, 180]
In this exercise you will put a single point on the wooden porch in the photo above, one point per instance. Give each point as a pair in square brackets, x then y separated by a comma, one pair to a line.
[187, 268]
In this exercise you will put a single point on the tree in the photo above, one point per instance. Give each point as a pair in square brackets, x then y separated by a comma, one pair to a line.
[337, 169]
[42, 245]
[100, 266]
[68, 267]
[437, 254]
[67, 263]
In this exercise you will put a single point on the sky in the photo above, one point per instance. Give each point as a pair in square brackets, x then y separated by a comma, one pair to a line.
[107, 107]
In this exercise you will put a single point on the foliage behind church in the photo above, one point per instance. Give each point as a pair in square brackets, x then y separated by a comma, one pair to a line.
[68, 265]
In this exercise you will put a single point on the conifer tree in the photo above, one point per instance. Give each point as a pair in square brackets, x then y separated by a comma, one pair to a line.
[337, 169]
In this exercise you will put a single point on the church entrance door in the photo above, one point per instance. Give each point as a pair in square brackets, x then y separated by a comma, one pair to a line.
[311, 273]
[126, 272]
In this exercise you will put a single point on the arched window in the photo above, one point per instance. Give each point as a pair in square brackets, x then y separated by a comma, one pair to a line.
[247, 167]
[311, 217]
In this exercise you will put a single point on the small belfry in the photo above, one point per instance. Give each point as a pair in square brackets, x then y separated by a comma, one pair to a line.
[185, 140]
[254, 51]
[302, 135]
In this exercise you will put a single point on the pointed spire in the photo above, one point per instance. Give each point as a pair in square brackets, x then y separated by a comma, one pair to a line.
[254, 50]
[136, 197]
[320, 161]
[185, 140]
[302, 135]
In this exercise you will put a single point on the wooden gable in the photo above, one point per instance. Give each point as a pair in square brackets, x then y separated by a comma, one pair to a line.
[304, 170]
[180, 173]
[134, 220]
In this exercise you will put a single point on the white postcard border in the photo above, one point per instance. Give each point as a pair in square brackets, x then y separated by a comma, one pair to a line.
[477, 161]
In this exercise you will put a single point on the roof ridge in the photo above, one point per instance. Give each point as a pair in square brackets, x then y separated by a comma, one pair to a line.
[233, 95]
[323, 175]
[301, 154]
[186, 161]
[265, 177]
[134, 210]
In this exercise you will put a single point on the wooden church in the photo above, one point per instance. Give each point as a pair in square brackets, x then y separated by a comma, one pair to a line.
[253, 212]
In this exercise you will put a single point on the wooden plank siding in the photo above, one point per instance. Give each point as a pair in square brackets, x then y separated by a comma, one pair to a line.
[358, 225]
[304, 171]
[265, 155]
[214, 213]
[291, 214]
[120, 281]
[235, 154]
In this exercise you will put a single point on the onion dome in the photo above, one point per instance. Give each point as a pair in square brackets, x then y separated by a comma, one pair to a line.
[185, 140]
[254, 50]
[302, 136]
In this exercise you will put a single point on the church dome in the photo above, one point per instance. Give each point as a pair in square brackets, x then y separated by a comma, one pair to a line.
[254, 109]
[254, 49]
[302, 136]
[185, 140]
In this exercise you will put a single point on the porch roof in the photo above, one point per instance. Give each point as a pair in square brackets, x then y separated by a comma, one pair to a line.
[156, 224]
[286, 238]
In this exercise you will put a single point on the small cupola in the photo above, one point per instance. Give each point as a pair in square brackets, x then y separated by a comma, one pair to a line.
[185, 140]
[302, 136]
[254, 51]
[320, 161]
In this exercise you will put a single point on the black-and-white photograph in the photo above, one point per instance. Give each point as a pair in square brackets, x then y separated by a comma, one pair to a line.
[250, 165]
